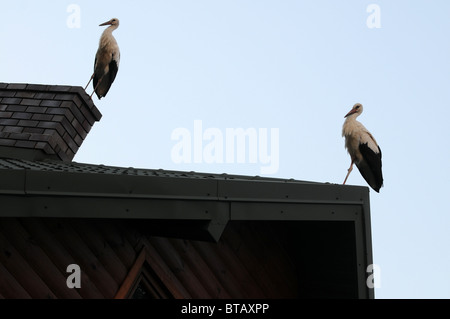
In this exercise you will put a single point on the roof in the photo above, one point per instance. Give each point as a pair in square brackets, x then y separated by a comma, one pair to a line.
[211, 197]
[39, 179]
[192, 205]
[59, 166]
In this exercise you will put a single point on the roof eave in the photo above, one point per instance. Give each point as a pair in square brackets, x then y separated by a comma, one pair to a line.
[189, 208]
[214, 201]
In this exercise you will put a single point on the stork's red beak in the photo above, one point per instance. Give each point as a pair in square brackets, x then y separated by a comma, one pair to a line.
[105, 23]
[350, 113]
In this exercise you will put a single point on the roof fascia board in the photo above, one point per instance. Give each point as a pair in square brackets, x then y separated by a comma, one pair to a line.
[56, 183]
[294, 211]
[12, 182]
[287, 191]
[366, 238]
[124, 186]
[109, 207]
[215, 214]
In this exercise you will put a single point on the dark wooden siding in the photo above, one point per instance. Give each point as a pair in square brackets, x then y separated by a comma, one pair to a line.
[248, 262]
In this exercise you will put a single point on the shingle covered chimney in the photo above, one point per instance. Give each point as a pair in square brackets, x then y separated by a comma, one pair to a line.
[44, 121]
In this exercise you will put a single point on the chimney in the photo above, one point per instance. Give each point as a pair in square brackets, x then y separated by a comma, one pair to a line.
[40, 122]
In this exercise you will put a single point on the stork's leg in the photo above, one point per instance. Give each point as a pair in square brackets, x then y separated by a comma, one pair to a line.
[99, 81]
[89, 82]
[349, 171]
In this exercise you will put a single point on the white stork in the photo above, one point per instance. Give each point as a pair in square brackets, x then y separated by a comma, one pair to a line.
[363, 149]
[107, 60]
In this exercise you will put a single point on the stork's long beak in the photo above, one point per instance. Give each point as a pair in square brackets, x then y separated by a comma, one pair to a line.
[105, 23]
[350, 113]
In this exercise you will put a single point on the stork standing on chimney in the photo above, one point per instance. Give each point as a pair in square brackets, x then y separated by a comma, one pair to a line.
[107, 60]
[363, 149]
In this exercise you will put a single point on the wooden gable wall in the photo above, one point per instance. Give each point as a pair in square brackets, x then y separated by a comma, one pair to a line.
[248, 261]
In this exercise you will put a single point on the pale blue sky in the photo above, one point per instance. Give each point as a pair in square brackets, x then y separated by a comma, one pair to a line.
[294, 66]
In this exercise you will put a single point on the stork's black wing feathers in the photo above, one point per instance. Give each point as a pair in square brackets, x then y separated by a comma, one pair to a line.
[113, 68]
[370, 166]
[106, 80]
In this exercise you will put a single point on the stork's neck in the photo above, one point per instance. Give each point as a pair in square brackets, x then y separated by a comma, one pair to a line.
[110, 29]
[350, 124]
[107, 36]
[351, 117]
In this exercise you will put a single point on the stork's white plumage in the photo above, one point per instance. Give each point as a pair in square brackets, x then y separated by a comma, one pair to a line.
[107, 60]
[363, 149]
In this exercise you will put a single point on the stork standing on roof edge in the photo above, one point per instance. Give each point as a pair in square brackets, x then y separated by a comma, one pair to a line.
[107, 60]
[363, 149]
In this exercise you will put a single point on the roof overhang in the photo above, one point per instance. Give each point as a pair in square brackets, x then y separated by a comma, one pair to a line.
[187, 205]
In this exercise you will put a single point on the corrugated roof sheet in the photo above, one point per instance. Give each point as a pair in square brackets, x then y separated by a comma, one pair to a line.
[74, 167]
